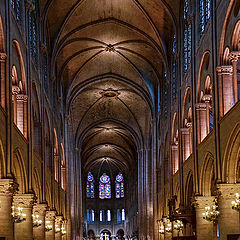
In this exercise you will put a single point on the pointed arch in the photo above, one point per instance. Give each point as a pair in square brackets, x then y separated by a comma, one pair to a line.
[206, 174]
[186, 100]
[19, 171]
[236, 37]
[189, 189]
[232, 156]
[37, 185]
[2, 40]
[2, 160]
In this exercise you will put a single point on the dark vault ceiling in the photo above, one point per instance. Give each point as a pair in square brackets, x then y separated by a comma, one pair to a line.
[118, 47]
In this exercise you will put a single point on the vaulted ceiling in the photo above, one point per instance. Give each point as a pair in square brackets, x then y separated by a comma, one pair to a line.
[109, 56]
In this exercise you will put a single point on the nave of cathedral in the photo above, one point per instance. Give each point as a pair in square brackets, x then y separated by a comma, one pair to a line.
[120, 119]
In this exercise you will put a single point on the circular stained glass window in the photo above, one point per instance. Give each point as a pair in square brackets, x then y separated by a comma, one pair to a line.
[119, 177]
[105, 178]
[90, 177]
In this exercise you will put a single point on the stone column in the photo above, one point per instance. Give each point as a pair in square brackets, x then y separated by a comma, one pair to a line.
[201, 121]
[7, 188]
[225, 78]
[3, 57]
[185, 143]
[39, 232]
[228, 219]
[58, 227]
[50, 218]
[234, 57]
[24, 229]
[204, 229]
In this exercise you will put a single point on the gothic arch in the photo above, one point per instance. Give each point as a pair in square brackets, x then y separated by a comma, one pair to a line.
[231, 156]
[21, 63]
[2, 41]
[48, 195]
[19, 171]
[189, 189]
[2, 160]
[207, 172]
[236, 37]
[186, 104]
[37, 185]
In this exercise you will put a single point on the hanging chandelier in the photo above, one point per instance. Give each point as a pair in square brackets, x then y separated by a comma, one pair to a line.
[36, 221]
[211, 212]
[18, 215]
[236, 202]
[178, 225]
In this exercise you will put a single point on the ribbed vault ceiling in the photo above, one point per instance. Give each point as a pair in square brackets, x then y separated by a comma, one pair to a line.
[138, 36]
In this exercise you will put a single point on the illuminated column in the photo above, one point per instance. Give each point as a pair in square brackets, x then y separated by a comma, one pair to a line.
[24, 229]
[228, 218]
[7, 188]
[3, 57]
[50, 225]
[175, 162]
[207, 98]
[185, 143]
[58, 227]
[225, 79]
[39, 231]
[201, 121]
[204, 229]
[234, 57]
[22, 113]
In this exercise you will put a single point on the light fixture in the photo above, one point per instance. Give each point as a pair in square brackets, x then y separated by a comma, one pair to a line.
[63, 230]
[36, 221]
[168, 227]
[178, 225]
[48, 226]
[236, 202]
[18, 215]
[211, 212]
[109, 48]
[57, 228]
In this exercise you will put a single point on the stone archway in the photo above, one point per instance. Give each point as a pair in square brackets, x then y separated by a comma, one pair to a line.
[105, 235]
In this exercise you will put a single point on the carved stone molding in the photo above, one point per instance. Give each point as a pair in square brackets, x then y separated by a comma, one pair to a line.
[203, 201]
[228, 191]
[234, 56]
[22, 97]
[40, 208]
[3, 57]
[24, 200]
[8, 187]
[59, 219]
[228, 69]
[50, 215]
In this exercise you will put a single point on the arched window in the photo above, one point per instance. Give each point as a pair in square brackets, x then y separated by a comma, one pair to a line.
[120, 216]
[104, 187]
[108, 215]
[90, 185]
[204, 14]
[17, 8]
[187, 42]
[101, 216]
[165, 95]
[119, 186]
[90, 216]
[33, 34]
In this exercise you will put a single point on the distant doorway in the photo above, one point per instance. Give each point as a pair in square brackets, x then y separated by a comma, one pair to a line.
[105, 235]
[120, 235]
[91, 235]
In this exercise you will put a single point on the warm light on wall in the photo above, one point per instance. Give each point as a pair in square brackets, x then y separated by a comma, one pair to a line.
[178, 225]
[236, 202]
[18, 215]
[36, 221]
[48, 226]
[211, 212]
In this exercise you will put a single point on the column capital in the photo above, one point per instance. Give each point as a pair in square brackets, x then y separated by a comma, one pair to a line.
[228, 190]
[22, 97]
[234, 56]
[59, 219]
[203, 201]
[228, 69]
[40, 208]
[50, 215]
[3, 56]
[8, 186]
[24, 200]
[29, 5]
[200, 106]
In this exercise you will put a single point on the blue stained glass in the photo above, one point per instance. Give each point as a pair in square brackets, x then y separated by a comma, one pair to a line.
[119, 186]
[204, 14]
[16, 5]
[174, 46]
[104, 187]
[90, 185]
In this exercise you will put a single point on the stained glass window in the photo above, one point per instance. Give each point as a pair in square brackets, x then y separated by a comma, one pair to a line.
[101, 216]
[187, 42]
[17, 8]
[174, 75]
[204, 14]
[90, 216]
[108, 215]
[33, 42]
[119, 183]
[104, 187]
[90, 185]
